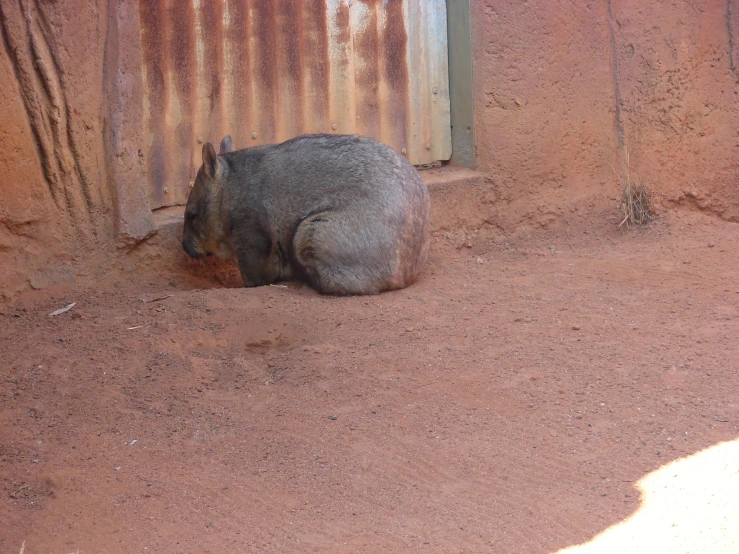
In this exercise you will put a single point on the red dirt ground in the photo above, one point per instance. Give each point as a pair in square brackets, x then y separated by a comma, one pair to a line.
[507, 402]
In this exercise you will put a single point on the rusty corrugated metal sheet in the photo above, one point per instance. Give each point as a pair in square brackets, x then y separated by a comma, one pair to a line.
[264, 71]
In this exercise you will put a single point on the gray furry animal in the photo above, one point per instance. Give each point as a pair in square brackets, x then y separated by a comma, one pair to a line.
[345, 213]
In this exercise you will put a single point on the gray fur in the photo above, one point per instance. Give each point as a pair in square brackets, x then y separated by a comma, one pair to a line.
[345, 213]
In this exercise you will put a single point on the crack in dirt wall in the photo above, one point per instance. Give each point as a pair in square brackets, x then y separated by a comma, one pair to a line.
[730, 32]
[618, 102]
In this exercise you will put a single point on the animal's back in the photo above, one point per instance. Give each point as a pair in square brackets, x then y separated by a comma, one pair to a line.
[351, 166]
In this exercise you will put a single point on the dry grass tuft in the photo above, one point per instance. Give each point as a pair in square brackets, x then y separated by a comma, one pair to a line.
[635, 202]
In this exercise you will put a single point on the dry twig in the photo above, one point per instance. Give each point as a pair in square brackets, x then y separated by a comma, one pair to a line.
[635, 201]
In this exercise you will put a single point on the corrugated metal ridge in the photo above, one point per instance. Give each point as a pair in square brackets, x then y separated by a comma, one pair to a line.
[267, 70]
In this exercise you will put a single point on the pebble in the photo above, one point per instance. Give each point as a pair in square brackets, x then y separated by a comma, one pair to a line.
[575, 327]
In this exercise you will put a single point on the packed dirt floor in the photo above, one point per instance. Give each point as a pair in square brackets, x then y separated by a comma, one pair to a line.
[507, 402]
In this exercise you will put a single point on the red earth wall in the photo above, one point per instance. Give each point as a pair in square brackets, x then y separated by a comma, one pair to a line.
[70, 110]
[565, 91]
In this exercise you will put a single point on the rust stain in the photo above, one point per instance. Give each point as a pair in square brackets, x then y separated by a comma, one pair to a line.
[154, 52]
[342, 107]
[212, 19]
[179, 101]
[238, 37]
[314, 59]
[394, 62]
[267, 70]
[367, 74]
[289, 85]
[342, 22]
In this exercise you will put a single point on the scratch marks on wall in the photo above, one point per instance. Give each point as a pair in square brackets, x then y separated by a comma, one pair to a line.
[38, 72]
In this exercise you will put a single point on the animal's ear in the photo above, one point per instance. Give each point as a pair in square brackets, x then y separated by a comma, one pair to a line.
[227, 145]
[209, 160]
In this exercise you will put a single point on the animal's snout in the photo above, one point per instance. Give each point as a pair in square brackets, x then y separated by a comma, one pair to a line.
[189, 246]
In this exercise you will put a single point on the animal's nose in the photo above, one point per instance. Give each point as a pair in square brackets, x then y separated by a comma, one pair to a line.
[187, 246]
[190, 246]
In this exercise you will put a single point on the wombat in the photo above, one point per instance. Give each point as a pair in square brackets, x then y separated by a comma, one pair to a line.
[345, 213]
